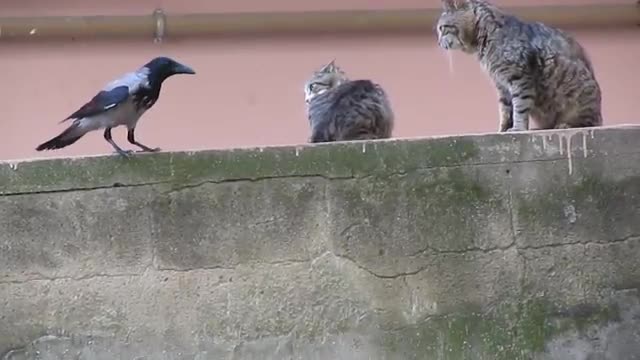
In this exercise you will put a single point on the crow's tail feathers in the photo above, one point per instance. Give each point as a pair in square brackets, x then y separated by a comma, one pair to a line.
[72, 134]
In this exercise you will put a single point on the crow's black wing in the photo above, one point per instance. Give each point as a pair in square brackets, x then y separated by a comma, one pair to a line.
[102, 102]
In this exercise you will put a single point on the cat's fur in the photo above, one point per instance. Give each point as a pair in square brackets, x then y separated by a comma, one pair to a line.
[539, 71]
[340, 109]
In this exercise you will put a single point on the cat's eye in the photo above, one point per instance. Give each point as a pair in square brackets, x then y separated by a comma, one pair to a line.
[451, 28]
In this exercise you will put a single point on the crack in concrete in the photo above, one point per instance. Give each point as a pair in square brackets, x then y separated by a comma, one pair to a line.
[116, 185]
[187, 270]
[633, 288]
[233, 267]
[581, 271]
[286, 262]
[513, 244]
[312, 261]
[435, 251]
[350, 227]
[380, 276]
[256, 179]
[523, 275]
[293, 176]
[631, 237]
[42, 277]
[512, 215]
[497, 249]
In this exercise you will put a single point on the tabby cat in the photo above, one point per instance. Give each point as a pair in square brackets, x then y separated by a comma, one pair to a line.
[539, 71]
[340, 109]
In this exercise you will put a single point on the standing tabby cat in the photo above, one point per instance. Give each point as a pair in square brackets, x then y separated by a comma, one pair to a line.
[539, 71]
[340, 109]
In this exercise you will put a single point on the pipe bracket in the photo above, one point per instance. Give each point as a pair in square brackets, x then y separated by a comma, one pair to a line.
[160, 20]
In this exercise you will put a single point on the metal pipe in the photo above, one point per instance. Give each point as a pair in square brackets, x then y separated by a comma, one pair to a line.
[159, 24]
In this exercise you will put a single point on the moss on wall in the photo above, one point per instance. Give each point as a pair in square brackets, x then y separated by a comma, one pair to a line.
[511, 332]
[181, 168]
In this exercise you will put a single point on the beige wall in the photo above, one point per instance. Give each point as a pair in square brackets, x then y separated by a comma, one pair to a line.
[249, 91]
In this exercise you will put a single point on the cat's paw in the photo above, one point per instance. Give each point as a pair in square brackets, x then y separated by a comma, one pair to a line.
[515, 130]
[505, 125]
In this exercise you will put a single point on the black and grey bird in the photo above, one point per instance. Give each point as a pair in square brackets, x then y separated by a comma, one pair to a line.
[121, 102]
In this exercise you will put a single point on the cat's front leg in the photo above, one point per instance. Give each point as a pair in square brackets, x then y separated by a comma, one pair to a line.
[505, 108]
[522, 100]
[319, 134]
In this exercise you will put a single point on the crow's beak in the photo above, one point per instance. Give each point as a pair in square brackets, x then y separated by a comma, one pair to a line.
[182, 69]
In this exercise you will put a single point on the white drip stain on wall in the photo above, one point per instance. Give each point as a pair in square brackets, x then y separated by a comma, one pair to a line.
[565, 140]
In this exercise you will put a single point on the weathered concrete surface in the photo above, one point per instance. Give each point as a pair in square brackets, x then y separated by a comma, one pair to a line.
[505, 246]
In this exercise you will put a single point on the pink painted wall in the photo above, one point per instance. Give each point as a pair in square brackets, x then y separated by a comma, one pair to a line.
[249, 91]
[96, 7]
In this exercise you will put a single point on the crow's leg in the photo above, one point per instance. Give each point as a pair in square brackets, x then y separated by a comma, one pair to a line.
[107, 136]
[132, 139]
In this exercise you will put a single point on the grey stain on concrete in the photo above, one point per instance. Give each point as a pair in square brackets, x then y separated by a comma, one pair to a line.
[472, 247]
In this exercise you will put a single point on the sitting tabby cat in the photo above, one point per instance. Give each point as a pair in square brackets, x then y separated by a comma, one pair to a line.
[340, 109]
[538, 70]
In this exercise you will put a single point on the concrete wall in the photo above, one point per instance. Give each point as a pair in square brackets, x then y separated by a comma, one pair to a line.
[248, 91]
[513, 246]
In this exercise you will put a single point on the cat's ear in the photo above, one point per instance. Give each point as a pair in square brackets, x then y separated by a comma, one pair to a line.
[449, 5]
[330, 67]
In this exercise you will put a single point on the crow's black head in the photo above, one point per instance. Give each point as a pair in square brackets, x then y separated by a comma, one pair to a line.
[162, 67]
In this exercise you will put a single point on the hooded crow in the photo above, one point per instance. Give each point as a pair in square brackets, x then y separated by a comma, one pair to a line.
[121, 102]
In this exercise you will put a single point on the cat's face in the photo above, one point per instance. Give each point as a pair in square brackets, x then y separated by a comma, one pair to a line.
[456, 26]
[327, 78]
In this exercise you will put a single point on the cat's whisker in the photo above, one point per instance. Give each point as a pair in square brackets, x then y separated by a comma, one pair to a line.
[449, 55]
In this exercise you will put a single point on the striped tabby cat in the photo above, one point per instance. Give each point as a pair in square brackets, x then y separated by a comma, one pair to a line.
[539, 71]
[340, 109]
